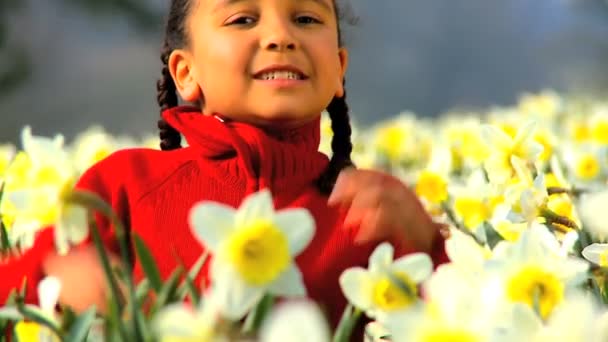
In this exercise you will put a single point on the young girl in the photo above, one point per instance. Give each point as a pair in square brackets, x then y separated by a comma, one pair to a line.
[260, 73]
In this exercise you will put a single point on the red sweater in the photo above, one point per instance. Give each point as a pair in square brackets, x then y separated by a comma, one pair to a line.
[153, 191]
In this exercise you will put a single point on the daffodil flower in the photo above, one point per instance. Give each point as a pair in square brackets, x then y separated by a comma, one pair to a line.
[35, 189]
[387, 286]
[597, 253]
[48, 294]
[180, 322]
[311, 323]
[253, 250]
[592, 208]
[503, 148]
[535, 272]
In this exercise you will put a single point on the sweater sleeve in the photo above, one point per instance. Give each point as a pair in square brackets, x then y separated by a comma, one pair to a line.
[102, 179]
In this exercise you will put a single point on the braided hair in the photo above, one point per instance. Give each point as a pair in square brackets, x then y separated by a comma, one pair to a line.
[170, 138]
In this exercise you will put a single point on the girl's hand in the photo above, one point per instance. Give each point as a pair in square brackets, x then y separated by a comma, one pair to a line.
[83, 281]
[383, 208]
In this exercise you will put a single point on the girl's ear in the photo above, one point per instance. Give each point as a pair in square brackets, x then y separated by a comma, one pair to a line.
[181, 69]
[343, 56]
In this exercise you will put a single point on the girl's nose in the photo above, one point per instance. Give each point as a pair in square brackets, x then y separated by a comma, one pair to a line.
[277, 36]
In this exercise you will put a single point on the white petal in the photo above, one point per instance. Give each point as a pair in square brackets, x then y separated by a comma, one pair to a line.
[356, 285]
[417, 266]
[48, 294]
[232, 295]
[176, 320]
[73, 221]
[594, 251]
[295, 322]
[299, 227]
[381, 258]
[463, 250]
[256, 206]
[495, 137]
[524, 133]
[211, 223]
[289, 284]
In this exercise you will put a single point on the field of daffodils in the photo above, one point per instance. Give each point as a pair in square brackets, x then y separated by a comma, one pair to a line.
[522, 188]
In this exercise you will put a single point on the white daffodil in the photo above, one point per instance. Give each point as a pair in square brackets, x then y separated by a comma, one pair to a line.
[36, 184]
[475, 201]
[535, 272]
[525, 325]
[7, 153]
[467, 146]
[465, 253]
[253, 250]
[597, 253]
[503, 147]
[448, 313]
[183, 323]
[298, 321]
[387, 286]
[591, 208]
[48, 294]
[598, 126]
[95, 144]
[586, 164]
[528, 196]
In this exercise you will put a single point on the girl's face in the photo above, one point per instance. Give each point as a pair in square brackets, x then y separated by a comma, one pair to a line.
[232, 42]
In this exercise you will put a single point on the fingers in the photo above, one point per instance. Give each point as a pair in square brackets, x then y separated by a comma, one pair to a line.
[351, 181]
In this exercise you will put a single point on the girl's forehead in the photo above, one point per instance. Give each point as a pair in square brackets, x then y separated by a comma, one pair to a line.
[215, 5]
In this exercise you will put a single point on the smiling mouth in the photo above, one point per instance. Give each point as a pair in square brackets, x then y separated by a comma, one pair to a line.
[280, 73]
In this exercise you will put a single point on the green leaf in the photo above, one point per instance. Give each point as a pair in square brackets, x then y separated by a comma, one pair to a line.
[254, 319]
[142, 290]
[350, 316]
[35, 314]
[169, 290]
[148, 264]
[10, 313]
[492, 236]
[80, 329]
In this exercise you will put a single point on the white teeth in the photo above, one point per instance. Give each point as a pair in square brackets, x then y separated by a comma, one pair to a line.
[275, 75]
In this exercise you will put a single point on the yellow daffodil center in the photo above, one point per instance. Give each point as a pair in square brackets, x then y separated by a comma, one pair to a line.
[395, 292]
[543, 139]
[472, 210]
[28, 331]
[432, 186]
[551, 181]
[100, 154]
[260, 252]
[391, 139]
[536, 287]
[599, 132]
[580, 132]
[448, 335]
[604, 258]
[588, 167]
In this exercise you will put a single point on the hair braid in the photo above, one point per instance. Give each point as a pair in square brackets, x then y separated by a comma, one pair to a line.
[341, 145]
[166, 97]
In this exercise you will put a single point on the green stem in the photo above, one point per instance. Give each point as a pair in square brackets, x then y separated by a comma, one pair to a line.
[347, 324]
[117, 297]
[254, 320]
[93, 201]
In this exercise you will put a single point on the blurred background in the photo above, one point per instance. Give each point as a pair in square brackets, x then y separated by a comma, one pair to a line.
[68, 64]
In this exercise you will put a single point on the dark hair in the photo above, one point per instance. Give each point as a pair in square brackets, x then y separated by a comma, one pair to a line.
[170, 139]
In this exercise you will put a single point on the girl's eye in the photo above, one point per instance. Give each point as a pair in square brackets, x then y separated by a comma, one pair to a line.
[305, 19]
[242, 21]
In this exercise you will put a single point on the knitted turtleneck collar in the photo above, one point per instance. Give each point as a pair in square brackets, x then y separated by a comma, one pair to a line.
[268, 157]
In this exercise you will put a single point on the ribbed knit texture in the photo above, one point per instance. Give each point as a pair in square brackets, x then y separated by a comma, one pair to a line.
[153, 191]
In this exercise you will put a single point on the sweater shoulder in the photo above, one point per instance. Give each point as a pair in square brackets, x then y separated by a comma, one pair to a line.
[134, 171]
